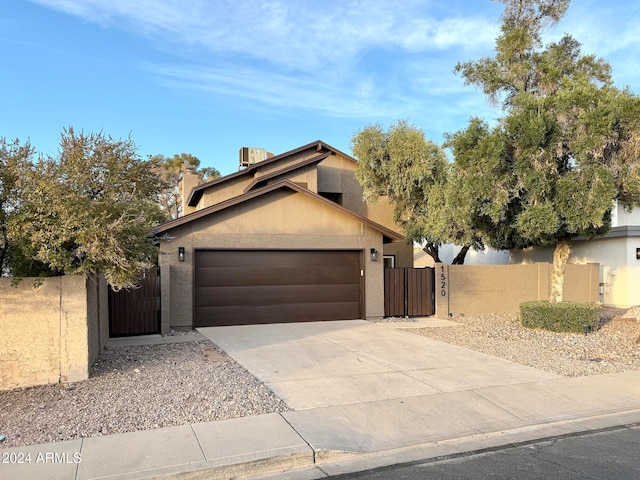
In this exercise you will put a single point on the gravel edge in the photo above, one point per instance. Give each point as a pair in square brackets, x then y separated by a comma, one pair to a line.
[134, 388]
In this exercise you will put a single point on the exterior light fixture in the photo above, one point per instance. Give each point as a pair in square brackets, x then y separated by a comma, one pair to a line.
[637, 253]
[374, 255]
[181, 254]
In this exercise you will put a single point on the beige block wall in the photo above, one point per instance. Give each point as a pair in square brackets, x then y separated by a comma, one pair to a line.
[280, 220]
[97, 315]
[44, 331]
[619, 273]
[486, 289]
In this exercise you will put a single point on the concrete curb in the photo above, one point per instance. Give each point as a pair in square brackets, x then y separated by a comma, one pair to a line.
[458, 447]
[243, 469]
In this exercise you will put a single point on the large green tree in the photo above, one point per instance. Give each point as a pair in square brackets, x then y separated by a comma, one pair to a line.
[170, 170]
[90, 209]
[567, 146]
[14, 157]
[401, 165]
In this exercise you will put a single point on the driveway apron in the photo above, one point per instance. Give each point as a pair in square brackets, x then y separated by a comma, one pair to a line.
[326, 364]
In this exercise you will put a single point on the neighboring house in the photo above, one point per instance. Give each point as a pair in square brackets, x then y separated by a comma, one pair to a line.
[288, 238]
[448, 252]
[618, 254]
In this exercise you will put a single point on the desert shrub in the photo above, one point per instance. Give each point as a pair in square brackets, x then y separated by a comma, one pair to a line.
[560, 317]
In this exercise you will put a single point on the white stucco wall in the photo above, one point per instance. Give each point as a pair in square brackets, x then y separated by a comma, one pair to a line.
[621, 217]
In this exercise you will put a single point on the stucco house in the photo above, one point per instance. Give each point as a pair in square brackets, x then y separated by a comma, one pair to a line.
[618, 254]
[286, 238]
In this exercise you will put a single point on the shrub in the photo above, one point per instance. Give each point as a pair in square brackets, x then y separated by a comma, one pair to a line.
[560, 317]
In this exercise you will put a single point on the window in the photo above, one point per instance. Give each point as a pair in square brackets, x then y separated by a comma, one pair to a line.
[389, 261]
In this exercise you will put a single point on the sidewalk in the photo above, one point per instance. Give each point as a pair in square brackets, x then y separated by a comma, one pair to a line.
[339, 436]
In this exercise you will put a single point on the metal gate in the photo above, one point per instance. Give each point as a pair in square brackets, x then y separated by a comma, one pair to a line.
[409, 292]
[136, 311]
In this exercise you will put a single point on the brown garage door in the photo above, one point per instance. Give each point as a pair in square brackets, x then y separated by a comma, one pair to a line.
[239, 287]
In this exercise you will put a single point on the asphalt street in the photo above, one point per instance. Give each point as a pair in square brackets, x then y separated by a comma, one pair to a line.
[613, 454]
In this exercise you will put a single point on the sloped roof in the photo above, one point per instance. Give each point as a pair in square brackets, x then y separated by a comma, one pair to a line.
[319, 145]
[262, 180]
[389, 234]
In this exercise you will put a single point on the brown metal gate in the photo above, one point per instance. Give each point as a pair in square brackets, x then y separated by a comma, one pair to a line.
[136, 311]
[409, 292]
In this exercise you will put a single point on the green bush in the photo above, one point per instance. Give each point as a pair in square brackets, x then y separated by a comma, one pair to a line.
[560, 317]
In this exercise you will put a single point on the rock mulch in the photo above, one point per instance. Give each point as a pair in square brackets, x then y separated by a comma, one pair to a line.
[614, 348]
[137, 388]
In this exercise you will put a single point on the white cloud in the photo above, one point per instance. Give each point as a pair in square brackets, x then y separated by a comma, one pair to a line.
[295, 35]
[311, 93]
[343, 58]
[347, 58]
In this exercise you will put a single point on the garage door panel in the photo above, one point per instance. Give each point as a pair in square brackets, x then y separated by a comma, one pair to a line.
[299, 312]
[251, 275]
[275, 294]
[277, 258]
[239, 287]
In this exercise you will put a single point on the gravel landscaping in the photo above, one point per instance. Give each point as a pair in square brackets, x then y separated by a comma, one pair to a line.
[154, 386]
[137, 388]
[614, 348]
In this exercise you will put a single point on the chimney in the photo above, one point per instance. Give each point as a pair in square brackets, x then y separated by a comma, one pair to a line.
[188, 182]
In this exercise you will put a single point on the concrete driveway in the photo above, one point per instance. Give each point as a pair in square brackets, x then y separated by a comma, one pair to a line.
[324, 364]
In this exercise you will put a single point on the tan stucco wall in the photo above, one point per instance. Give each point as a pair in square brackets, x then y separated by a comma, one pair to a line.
[97, 315]
[337, 174]
[224, 191]
[44, 331]
[402, 251]
[307, 176]
[485, 289]
[279, 220]
[619, 269]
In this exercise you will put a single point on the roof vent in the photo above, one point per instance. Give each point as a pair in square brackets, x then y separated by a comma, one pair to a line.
[249, 156]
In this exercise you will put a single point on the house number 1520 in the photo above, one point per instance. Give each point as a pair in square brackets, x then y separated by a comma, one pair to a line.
[443, 282]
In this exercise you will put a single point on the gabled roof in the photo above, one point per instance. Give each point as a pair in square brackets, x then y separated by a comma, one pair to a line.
[262, 180]
[389, 234]
[320, 146]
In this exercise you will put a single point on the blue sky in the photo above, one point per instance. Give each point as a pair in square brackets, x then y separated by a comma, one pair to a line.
[207, 77]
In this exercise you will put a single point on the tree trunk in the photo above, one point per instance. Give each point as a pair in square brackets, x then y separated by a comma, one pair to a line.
[432, 250]
[4, 249]
[560, 257]
[459, 260]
